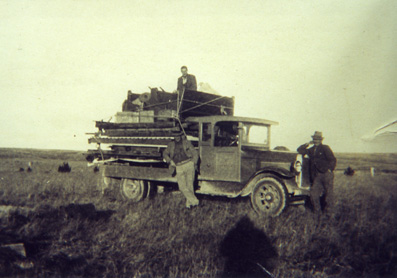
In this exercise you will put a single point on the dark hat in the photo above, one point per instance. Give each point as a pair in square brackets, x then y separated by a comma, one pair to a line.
[318, 135]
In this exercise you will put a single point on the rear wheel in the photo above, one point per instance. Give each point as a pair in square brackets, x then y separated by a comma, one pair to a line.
[134, 190]
[269, 196]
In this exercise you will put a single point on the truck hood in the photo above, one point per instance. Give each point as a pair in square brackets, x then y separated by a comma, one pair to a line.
[270, 158]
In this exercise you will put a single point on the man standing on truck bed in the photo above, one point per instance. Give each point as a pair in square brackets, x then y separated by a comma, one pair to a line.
[322, 165]
[186, 81]
[182, 157]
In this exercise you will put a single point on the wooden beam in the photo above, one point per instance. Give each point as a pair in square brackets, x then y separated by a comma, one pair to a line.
[142, 133]
[107, 125]
[129, 141]
[139, 173]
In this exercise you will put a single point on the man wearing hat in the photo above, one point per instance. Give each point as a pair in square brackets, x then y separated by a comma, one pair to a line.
[322, 165]
[182, 157]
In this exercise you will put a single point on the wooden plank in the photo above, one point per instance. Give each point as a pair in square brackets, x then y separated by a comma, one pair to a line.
[137, 151]
[108, 125]
[139, 173]
[143, 130]
[124, 154]
[129, 141]
[141, 133]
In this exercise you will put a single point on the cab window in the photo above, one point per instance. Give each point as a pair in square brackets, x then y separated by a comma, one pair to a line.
[206, 133]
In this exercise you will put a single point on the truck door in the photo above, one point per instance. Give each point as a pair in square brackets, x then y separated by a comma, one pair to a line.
[219, 153]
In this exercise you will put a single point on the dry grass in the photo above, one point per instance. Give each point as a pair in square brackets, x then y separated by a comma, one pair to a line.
[72, 231]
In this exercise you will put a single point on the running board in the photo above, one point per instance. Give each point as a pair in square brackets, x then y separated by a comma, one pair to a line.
[297, 200]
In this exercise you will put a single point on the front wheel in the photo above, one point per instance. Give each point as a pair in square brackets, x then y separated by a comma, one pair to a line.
[269, 196]
[134, 190]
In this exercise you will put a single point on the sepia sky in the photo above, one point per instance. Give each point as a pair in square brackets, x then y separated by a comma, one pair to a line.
[310, 65]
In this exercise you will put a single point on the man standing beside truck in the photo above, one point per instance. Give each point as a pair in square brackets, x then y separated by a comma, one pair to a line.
[182, 157]
[322, 165]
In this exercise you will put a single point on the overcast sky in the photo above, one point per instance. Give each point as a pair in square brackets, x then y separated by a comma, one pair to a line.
[310, 65]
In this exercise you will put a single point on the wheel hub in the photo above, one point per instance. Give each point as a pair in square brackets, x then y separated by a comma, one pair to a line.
[131, 189]
[269, 197]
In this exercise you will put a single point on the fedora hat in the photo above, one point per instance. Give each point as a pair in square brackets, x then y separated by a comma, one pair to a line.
[318, 135]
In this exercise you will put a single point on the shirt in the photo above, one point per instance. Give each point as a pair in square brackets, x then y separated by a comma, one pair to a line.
[180, 154]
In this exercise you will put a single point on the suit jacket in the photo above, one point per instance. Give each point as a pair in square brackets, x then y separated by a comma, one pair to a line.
[190, 151]
[191, 83]
[321, 158]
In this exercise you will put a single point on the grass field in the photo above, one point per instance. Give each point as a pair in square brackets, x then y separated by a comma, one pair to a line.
[69, 229]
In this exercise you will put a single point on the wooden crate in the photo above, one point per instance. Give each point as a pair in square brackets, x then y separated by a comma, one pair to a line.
[146, 116]
[165, 115]
[135, 117]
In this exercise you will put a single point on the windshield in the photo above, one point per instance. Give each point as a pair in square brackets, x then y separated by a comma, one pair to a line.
[255, 134]
[233, 134]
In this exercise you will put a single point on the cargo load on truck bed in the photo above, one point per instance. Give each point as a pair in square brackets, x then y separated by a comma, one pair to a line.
[150, 120]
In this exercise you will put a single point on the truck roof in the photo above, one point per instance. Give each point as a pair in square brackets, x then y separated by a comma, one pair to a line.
[214, 119]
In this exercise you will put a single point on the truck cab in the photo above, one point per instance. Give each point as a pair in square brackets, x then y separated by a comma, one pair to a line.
[235, 154]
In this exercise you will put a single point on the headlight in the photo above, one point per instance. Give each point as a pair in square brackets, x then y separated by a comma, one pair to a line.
[298, 163]
[298, 166]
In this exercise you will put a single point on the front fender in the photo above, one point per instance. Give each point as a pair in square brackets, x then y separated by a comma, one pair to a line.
[280, 173]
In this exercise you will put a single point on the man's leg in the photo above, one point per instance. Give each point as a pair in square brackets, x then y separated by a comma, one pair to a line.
[190, 175]
[181, 178]
[315, 193]
[185, 182]
[329, 191]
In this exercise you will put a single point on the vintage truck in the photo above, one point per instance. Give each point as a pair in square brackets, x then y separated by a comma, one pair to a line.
[236, 159]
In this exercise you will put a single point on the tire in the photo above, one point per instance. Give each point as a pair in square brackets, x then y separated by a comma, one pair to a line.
[134, 190]
[269, 196]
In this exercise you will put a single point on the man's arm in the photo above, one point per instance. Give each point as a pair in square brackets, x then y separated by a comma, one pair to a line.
[303, 149]
[179, 85]
[194, 86]
[167, 154]
[330, 157]
[190, 149]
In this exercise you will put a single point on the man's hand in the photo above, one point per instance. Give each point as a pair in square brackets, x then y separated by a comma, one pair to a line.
[309, 143]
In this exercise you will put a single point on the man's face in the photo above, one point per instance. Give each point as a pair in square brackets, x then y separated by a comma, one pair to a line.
[184, 72]
[178, 138]
[317, 141]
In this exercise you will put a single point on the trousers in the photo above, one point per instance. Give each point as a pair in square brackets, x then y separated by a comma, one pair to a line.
[323, 186]
[185, 176]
